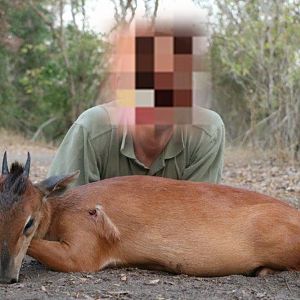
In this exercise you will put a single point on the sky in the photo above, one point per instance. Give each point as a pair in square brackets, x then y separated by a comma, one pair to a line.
[101, 12]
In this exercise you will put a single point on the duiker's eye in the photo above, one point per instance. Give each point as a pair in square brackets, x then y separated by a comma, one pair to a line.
[28, 226]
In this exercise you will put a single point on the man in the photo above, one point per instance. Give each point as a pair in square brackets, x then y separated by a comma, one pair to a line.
[154, 126]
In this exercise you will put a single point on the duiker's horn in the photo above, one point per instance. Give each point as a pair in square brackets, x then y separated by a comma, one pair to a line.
[5, 170]
[27, 166]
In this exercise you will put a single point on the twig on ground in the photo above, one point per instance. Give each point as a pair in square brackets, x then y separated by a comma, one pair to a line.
[287, 285]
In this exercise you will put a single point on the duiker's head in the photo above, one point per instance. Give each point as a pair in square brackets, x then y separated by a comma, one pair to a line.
[21, 204]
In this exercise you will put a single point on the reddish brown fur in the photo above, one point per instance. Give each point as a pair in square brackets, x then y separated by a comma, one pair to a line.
[184, 227]
[12, 219]
[198, 229]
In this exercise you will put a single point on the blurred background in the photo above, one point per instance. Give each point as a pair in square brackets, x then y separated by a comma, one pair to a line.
[53, 64]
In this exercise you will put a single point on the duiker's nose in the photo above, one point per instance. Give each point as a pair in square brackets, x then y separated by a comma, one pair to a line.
[14, 280]
[8, 280]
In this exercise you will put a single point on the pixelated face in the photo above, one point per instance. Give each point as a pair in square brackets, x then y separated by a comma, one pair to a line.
[156, 71]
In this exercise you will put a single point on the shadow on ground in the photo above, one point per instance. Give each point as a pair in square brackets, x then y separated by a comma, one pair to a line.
[36, 282]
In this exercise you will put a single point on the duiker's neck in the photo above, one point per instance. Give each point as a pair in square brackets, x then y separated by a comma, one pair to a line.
[45, 221]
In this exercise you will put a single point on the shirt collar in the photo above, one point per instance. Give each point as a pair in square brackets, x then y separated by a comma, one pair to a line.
[127, 148]
[175, 145]
[173, 148]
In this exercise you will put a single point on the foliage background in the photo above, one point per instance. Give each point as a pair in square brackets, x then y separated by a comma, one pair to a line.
[52, 69]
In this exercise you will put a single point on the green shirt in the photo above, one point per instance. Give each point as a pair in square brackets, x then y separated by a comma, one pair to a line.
[101, 150]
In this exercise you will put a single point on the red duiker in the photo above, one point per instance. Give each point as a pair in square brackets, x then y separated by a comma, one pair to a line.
[186, 227]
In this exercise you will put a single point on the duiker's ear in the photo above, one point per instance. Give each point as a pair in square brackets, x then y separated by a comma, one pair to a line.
[56, 185]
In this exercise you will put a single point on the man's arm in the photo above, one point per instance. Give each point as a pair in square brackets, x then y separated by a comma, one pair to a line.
[76, 152]
[206, 160]
[84, 146]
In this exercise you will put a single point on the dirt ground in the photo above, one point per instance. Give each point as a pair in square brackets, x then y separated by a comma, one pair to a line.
[244, 168]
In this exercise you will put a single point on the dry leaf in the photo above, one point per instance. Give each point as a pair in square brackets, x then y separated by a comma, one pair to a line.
[154, 281]
[123, 277]
[43, 289]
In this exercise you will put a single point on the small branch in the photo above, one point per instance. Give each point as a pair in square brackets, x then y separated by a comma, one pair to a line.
[248, 133]
[41, 127]
[73, 12]
[287, 285]
[155, 11]
[83, 14]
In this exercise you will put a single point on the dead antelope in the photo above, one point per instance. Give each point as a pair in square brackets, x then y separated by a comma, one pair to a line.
[198, 229]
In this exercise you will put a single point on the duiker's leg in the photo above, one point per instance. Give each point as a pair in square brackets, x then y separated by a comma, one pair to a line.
[265, 271]
[63, 257]
[84, 251]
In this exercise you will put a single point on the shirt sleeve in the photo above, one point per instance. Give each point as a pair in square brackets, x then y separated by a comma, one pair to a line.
[76, 152]
[206, 161]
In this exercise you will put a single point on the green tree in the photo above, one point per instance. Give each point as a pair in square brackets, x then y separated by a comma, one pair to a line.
[55, 73]
[255, 60]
